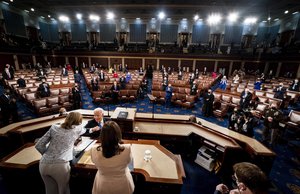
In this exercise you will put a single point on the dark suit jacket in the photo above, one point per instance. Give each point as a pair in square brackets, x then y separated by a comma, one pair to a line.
[245, 101]
[42, 91]
[93, 123]
[113, 89]
[279, 93]
[21, 82]
[101, 76]
[296, 88]
[64, 73]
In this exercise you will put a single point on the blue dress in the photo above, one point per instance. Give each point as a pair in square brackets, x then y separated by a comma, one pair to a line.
[257, 85]
[223, 84]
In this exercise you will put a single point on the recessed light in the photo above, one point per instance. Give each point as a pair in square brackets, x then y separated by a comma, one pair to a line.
[276, 19]
[286, 12]
[32, 9]
[49, 16]
[26, 11]
[295, 12]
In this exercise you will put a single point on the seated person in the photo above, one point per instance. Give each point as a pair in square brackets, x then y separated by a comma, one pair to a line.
[128, 77]
[95, 125]
[223, 83]
[115, 75]
[43, 89]
[279, 91]
[141, 71]
[257, 84]
[21, 82]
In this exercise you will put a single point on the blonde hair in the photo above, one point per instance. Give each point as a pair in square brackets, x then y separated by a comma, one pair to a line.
[73, 118]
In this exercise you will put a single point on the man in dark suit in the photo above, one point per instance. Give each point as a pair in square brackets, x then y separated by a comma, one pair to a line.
[8, 107]
[294, 86]
[8, 72]
[43, 90]
[102, 76]
[64, 72]
[169, 93]
[76, 97]
[279, 91]
[41, 74]
[194, 88]
[94, 83]
[246, 97]
[208, 101]
[115, 89]
[94, 126]
[21, 82]
[123, 82]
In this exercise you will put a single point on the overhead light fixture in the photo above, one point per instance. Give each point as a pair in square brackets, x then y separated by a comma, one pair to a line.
[137, 18]
[276, 19]
[161, 15]
[42, 17]
[232, 17]
[5, 2]
[110, 15]
[264, 21]
[250, 20]
[94, 17]
[196, 17]
[11, 0]
[214, 19]
[295, 12]
[32, 9]
[63, 18]
[79, 16]
[269, 18]
[49, 16]
[26, 11]
[286, 12]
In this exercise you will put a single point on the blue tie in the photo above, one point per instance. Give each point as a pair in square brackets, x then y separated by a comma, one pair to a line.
[100, 126]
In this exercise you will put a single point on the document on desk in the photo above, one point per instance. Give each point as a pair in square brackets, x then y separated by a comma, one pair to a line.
[85, 144]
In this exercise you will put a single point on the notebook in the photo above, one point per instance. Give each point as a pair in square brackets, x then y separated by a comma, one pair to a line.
[122, 115]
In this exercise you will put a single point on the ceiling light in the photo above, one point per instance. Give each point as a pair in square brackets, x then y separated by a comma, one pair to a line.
[232, 17]
[79, 16]
[264, 21]
[42, 17]
[110, 15]
[138, 18]
[214, 19]
[250, 20]
[276, 19]
[63, 18]
[49, 16]
[269, 18]
[94, 17]
[196, 17]
[26, 11]
[5, 2]
[286, 12]
[161, 15]
[122, 18]
[11, 0]
[32, 9]
[295, 12]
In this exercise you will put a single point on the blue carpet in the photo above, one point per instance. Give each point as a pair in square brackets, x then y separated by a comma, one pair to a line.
[285, 174]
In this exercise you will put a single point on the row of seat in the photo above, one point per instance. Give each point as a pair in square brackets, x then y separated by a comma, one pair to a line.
[105, 96]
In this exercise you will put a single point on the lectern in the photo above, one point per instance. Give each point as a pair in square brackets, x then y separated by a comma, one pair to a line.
[125, 123]
[153, 100]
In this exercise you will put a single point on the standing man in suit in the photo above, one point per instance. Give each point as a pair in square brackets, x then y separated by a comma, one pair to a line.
[64, 72]
[294, 86]
[76, 97]
[169, 93]
[94, 83]
[246, 97]
[115, 89]
[123, 82]
[208, 101]
[8, 107]
[194, 88]
[94, 126]
[43, 89]
[8, 72]
[102, 76]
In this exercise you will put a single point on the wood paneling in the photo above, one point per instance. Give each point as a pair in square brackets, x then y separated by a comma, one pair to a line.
[59, 61]
[101, 61]
[186, 63]
[115, 62]
[24, 59]
[208, 64]
[236, 65]
[6, 59]
[251, 67]
[272, 66]
[83, 59]
[152, 62]
[224, 64]
[173, 63]
[292, 68]
[134, 63]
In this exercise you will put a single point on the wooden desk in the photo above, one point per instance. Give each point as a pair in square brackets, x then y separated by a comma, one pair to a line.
[164, 167]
